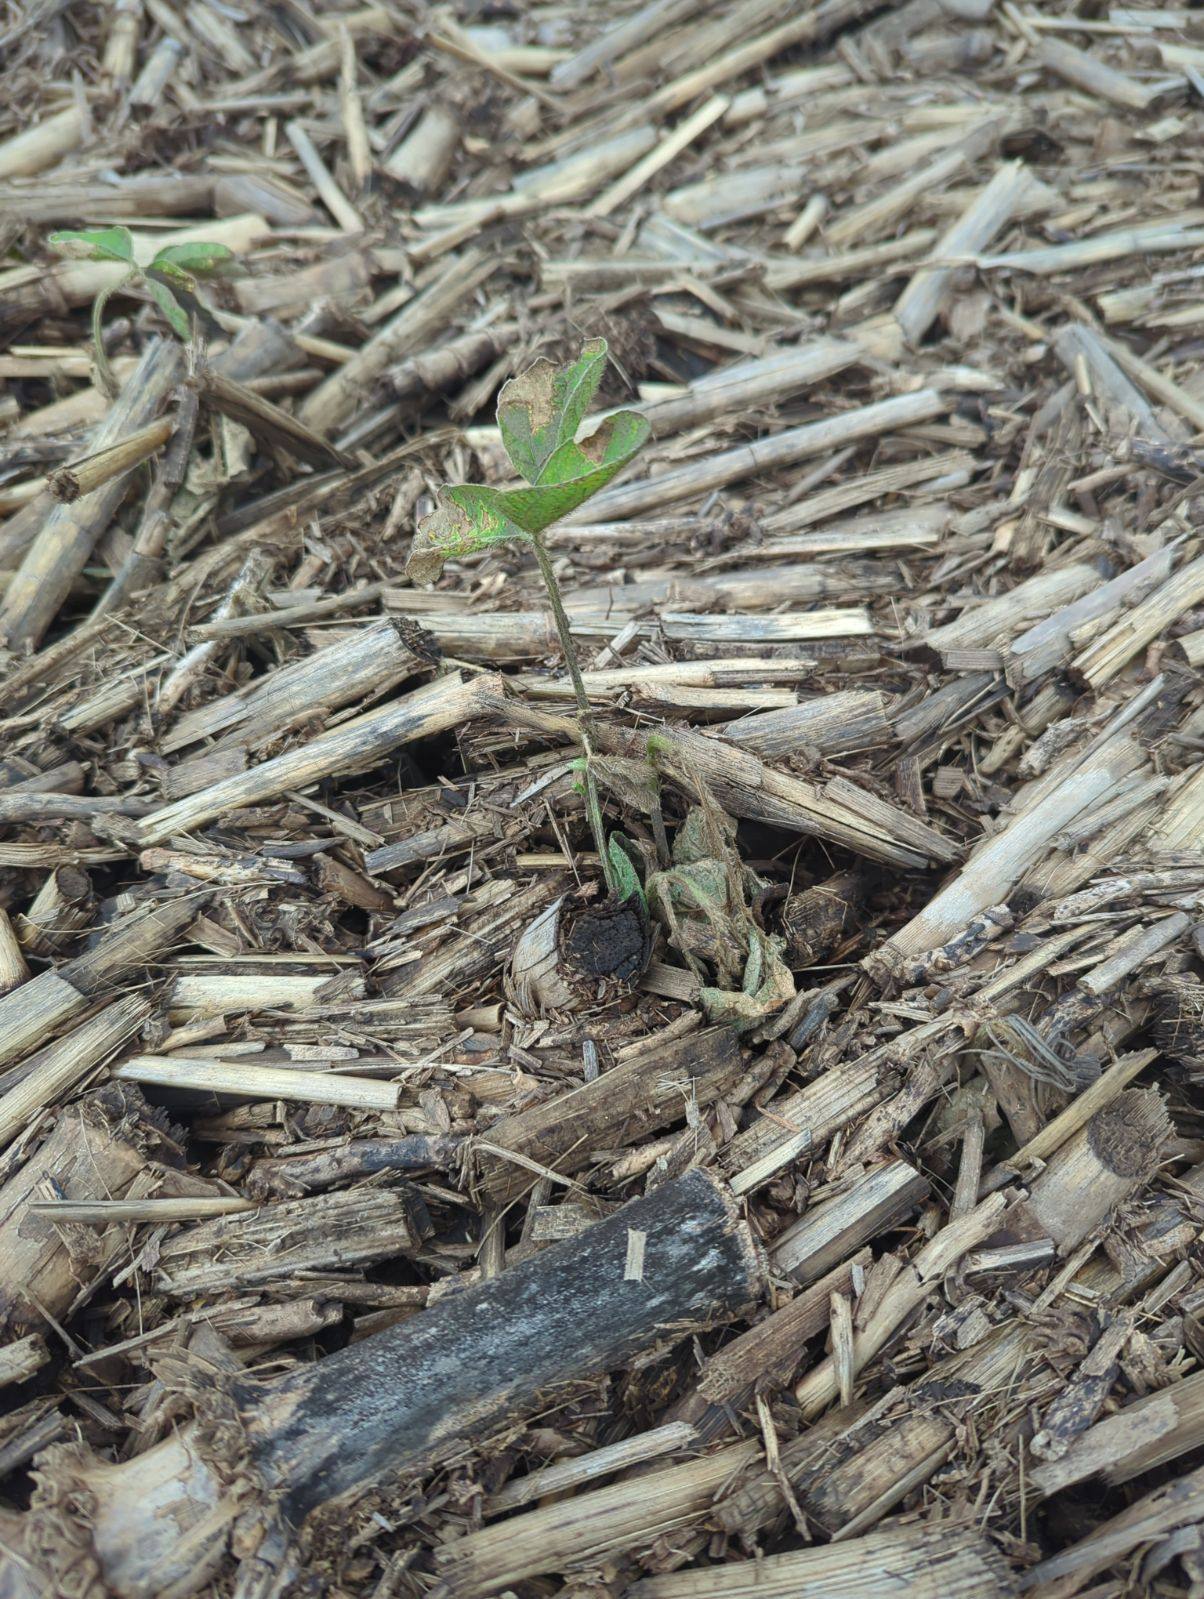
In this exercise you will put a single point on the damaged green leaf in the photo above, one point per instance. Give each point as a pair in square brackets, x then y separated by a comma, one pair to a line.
[95, 244]
[472, 516]
[468, 517]
[541, 410]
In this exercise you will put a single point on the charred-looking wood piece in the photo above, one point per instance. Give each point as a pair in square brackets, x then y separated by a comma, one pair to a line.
[1179, 1018]
[579, 950]
[405, 1399]
[816, 920]
[107, 1146]
[495, 1350]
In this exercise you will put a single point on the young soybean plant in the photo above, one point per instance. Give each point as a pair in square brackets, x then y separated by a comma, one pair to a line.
[539, 414]
[170, 279]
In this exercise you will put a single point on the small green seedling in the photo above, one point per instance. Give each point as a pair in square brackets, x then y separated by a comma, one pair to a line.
[539, 414]
[170, 279]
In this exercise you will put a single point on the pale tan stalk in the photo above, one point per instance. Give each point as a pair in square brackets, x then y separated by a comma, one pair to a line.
[429, 710]
[42, 145]
[55, 1070]
[259, 1082]
[908, 1292]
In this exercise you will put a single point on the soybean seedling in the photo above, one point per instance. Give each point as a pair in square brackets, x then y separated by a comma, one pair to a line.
[169, 279]
[539, 414]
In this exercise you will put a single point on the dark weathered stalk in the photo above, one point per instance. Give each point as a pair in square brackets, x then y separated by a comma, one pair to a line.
[664, 1266]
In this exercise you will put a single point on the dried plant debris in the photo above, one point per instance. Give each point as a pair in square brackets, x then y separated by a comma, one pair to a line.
[602, 800]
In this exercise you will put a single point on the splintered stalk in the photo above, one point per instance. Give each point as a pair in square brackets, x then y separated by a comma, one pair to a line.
[81, 477]
[538, 414]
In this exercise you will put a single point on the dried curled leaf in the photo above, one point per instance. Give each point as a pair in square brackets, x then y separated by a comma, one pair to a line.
[633, 783]
[704, 903]
[767, 986]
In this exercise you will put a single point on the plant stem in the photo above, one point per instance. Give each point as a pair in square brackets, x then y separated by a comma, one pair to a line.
[560, 615]
[104, 372]
[593, 804]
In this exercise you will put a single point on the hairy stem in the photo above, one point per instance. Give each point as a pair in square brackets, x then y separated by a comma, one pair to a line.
[560, 615]
[104, 372]
[593, 804]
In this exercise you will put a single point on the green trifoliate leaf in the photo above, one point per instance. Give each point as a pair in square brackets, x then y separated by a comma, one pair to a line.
[177, 317]
[541, 410]
[95, 244]
[471, 516]
[184, 262]
[576, 471]
[539, 414]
